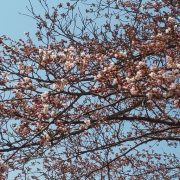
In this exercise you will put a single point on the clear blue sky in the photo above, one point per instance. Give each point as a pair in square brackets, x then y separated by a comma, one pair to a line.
[11, 22]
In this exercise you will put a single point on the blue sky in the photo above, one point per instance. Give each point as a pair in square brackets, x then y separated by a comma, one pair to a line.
[11, 22]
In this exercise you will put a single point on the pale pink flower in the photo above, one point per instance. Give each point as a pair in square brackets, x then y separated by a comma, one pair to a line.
[87, 122]
[153, 75]
[149, 95]
[115, 81]
[141, 63]
[168, 30]
[173, 86]
[45, 108]
[171, 19]
[133, 91]
[27, 79]
[44, 94]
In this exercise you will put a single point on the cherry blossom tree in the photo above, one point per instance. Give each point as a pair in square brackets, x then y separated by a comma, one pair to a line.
[97, 97]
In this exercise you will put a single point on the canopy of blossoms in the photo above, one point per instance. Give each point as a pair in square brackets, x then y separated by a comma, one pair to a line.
[93, 107]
